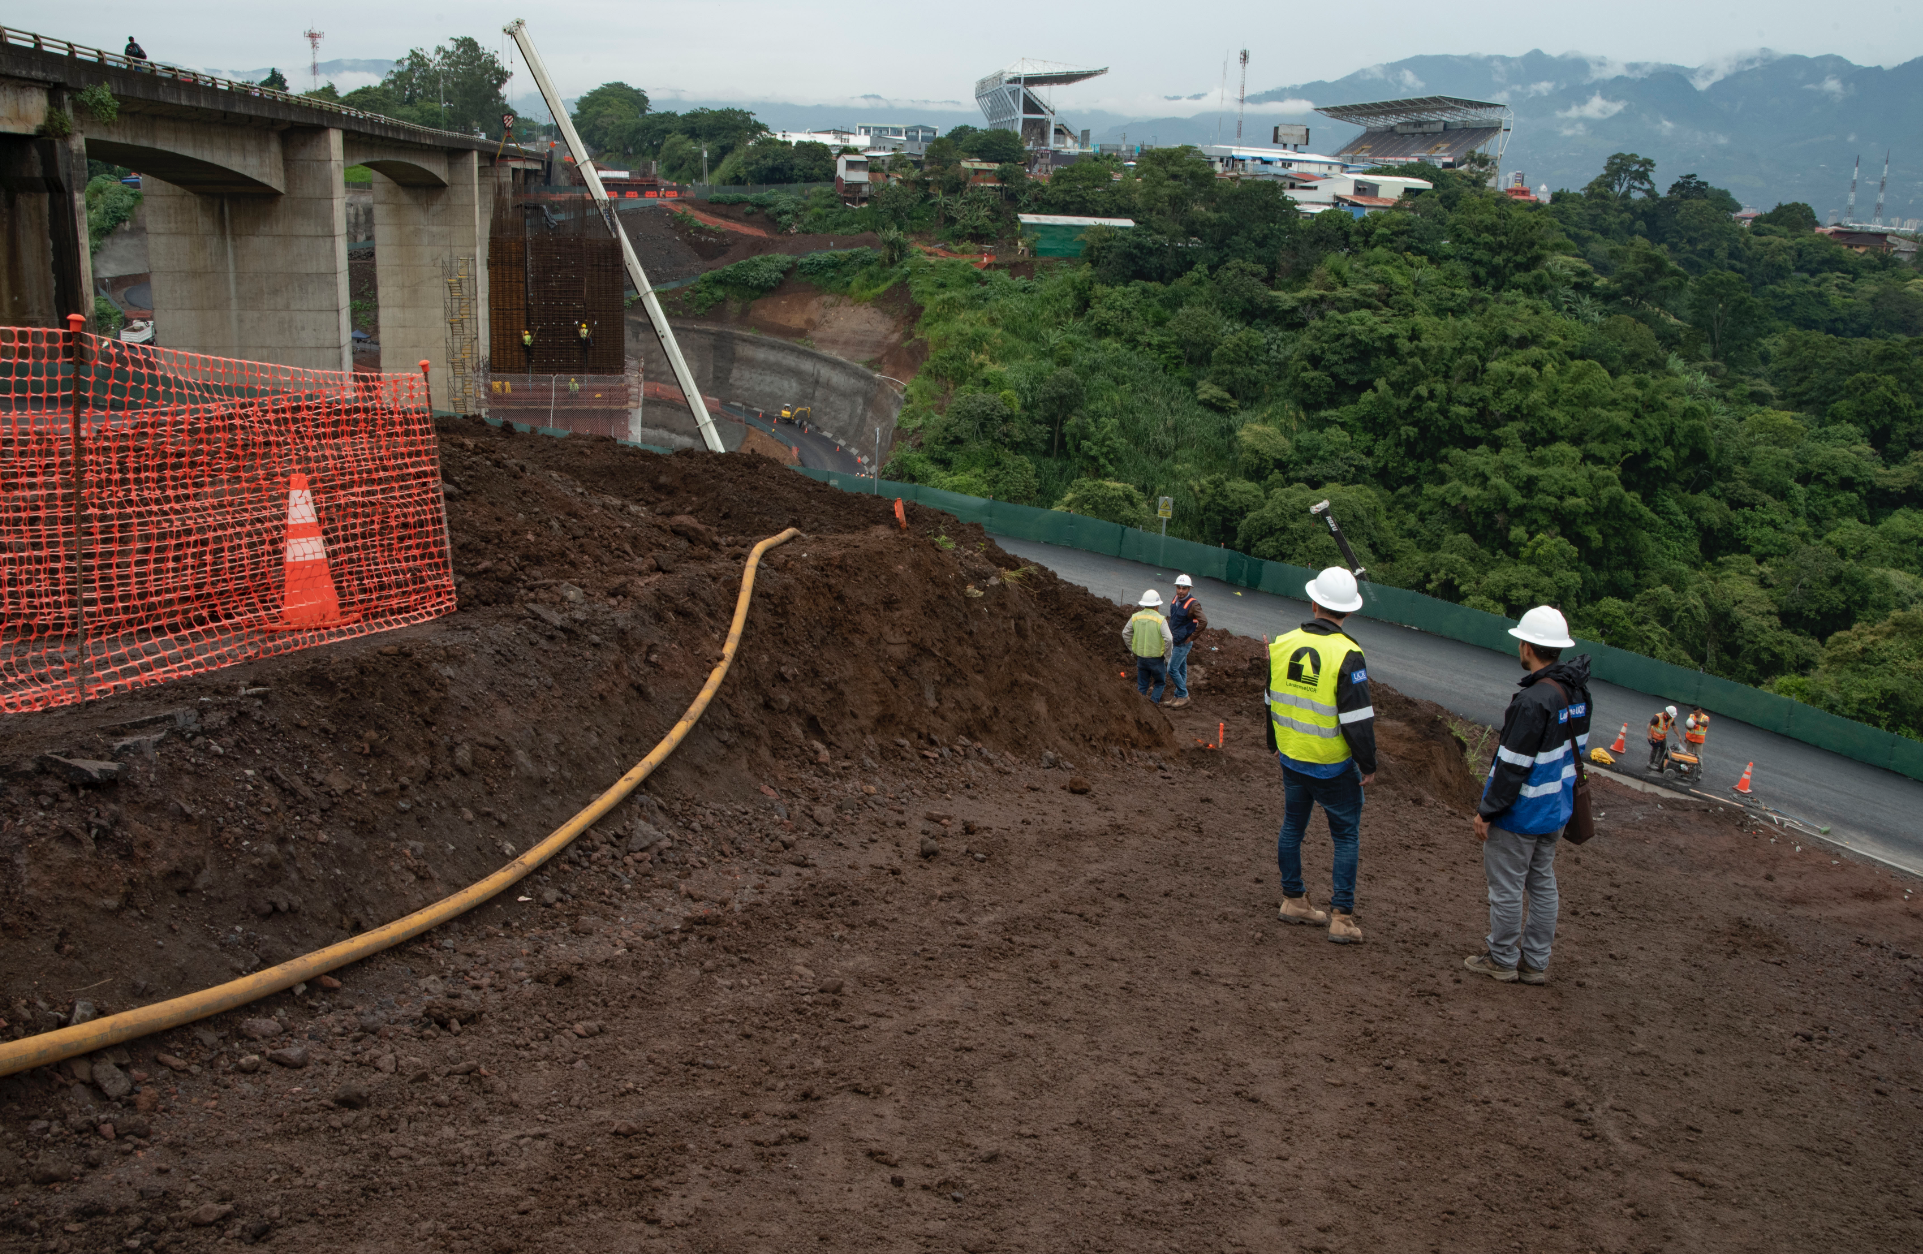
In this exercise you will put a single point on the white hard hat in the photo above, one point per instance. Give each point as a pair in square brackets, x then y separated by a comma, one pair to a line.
[1545, 626]
[1151, 597]
[1183, 581]
[1334, 589]
[1670, 710]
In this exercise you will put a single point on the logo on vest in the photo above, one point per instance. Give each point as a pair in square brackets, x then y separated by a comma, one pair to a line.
[1305, 667]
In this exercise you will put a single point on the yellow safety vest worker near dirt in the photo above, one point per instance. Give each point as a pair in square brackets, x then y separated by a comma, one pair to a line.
[1148, 636]
[1306, 667]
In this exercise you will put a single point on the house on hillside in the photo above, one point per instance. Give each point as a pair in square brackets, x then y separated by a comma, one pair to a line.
[851, 176]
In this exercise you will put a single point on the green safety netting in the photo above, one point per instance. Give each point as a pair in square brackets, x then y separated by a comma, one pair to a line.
[1766, 710]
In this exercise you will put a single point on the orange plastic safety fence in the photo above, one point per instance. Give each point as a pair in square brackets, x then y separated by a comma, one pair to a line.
[152, 520]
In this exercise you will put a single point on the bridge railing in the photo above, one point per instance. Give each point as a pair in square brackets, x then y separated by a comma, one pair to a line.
[11, 37]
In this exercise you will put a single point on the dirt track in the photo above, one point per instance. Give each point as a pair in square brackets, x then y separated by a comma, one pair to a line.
[1074, 1024]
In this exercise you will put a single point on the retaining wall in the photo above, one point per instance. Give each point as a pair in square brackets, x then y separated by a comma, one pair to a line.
[763, 372]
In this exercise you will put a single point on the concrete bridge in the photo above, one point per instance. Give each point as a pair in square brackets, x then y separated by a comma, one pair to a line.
[245, 204]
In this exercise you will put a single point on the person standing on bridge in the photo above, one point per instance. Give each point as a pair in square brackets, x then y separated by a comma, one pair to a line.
[1147, 635]
[133, 51]
[1322, 731]
[1530, 794]
[1186, 620]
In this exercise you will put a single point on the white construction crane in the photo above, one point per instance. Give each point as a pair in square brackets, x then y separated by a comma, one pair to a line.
[636, 276]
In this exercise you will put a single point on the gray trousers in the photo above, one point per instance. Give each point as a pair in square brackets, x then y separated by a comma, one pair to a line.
[1520, 869]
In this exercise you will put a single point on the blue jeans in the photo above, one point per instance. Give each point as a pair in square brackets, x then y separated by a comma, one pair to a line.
[1178, 669]
[1151, 670]
[1341, 801]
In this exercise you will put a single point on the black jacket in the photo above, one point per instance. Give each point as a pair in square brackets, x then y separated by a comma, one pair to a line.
[1533, 753]
[1351, 699]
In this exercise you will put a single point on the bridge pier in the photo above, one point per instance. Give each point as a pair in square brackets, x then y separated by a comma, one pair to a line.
[46, 273]
[258, 276]
[419, 224]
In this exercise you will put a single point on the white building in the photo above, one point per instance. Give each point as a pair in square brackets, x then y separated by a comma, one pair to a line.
[1257, 161]
[836, 138]
[851, 176]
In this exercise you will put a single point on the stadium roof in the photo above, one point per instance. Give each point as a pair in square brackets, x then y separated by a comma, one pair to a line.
[1049, 73]
[1385, 113]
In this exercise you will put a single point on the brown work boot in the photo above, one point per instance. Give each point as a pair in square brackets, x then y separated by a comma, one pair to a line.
[1342, 928]
[1178, 703]
[1532, 975]
[1298, 910]
[1482, 965]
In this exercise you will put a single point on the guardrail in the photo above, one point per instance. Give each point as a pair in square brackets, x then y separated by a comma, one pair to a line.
[1847, 737]
[9, 37]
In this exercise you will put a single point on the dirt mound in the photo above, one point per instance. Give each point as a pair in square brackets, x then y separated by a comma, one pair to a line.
[929, 933]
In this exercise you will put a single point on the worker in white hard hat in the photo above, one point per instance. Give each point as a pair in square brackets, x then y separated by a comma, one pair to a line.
[1661, 723]
[1147, 636]
[1322, 730]
[1186, 621]
[1530, 794]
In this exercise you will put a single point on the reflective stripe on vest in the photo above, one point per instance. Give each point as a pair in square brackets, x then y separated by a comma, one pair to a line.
[1147, 641]
[1303, 670]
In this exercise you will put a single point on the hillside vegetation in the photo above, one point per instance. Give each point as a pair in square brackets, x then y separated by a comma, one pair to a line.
[1703, 441]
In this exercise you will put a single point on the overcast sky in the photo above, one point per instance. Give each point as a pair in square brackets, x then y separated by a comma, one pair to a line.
[780, 50]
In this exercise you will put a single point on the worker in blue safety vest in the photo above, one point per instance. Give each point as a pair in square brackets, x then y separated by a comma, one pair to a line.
[1322, 731]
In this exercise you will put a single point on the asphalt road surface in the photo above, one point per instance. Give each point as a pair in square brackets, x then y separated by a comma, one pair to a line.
[817, 449]
[1868, 810]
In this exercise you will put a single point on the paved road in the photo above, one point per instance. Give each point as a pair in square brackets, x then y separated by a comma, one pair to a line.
[818, 450]
[1870, 810]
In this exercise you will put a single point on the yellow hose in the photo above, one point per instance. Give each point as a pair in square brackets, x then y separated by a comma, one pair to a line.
[85, 1038]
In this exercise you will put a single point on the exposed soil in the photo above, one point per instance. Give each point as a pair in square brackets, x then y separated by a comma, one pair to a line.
[932, 935]
[877, 334]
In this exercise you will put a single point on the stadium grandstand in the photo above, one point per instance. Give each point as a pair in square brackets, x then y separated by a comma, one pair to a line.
[1440, 130]
[1021, 99]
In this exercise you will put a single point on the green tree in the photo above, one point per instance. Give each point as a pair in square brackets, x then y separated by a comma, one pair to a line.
[457, 87]
[275, 79]
[1624, 175]
[1108, 500]
[1722, 308]
[995, 145]
[608, 119]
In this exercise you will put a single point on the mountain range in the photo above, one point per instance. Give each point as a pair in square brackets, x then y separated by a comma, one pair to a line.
[1768, 127]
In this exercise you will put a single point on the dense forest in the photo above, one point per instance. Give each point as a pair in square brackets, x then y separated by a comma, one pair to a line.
[1704, 441]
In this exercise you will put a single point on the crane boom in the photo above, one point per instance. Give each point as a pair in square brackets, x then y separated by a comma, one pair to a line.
[582, 162]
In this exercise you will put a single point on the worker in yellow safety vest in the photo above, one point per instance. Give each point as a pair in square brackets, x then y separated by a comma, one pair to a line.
[1696, 731]
[1322, 730]
[527, 339]
[1147, 636]
[1660, 725]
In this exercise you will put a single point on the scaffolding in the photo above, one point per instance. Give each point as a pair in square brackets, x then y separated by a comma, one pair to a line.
[460, 280]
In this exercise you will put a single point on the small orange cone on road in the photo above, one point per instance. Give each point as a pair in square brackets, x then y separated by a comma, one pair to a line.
[1622, 741]
[901, 514]
[308, 599]
[1742, 785]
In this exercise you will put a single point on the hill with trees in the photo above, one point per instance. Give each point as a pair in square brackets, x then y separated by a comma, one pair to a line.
[1703, 441]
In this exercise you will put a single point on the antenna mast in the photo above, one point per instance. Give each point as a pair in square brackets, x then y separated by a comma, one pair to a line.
[314, 38]
[1222, 98]
[1242, 96]
[1878, 219]
[1849, 215]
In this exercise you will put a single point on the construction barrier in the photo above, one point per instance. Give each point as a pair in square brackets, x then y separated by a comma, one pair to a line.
[150, 521]
[1846, 737]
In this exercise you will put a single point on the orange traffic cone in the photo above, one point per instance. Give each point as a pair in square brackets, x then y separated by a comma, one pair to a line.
[901, 515]
[1622, 741]
[1742, 785]
[308, 599]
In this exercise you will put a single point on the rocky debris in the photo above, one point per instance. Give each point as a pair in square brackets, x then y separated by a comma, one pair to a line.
[694, 531]
[1078, 785]
[249, 1063]
[928, 847]
[626, 1128]
[111, 1080]
[81, 770]
[289, 1056]
[261, 1029]
[83, 1012]
[833, 984]
[170, 1062]
[52, 1170]
[643, 836]
[351, 1097]
[208, 1214]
